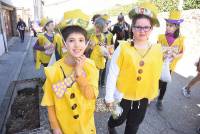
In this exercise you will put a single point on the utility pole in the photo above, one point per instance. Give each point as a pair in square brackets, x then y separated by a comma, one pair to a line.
[180, 5]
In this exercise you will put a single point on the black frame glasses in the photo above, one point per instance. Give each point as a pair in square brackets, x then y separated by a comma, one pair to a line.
[140, 28]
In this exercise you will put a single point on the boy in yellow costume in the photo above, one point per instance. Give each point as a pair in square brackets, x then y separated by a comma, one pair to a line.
[47, 43]
[71, 87]
[134, 71]
[173, 47]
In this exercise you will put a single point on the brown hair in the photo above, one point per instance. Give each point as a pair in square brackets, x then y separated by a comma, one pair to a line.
[73, 29]
[135, 18]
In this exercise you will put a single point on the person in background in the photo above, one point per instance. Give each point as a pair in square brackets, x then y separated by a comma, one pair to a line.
[121, 29]
[173, 47]
[21, 25]
[47, 43]
[98, 45]
[186, 90]
[134, 71]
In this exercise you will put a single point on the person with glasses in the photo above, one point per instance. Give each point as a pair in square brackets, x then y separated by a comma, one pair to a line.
[71, 85]
[173, 47]
[134, 71]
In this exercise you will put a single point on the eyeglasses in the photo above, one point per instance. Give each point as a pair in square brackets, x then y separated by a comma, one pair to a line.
[145, 28]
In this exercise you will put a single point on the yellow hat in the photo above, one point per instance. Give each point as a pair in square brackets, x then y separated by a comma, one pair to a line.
[74, 17]
[106, 17]
[174, 17]
[148, 9]
[44, 21]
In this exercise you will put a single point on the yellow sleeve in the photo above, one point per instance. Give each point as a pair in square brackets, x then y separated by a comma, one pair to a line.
[47, 99]
[182, 46]
[85, 87]
[93, 77]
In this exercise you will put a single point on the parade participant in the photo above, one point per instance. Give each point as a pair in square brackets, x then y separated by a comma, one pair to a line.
[110, 47]
[173, 47]
[186, 90]
[98, 46]
[71, 86]
[47, 43]
[134, 71]
[121, 29]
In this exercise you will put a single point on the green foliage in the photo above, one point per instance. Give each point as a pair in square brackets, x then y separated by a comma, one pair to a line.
[191, 4]
[117, 10]
[166, 5]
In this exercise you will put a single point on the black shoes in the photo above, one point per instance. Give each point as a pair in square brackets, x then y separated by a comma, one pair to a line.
[159, 105]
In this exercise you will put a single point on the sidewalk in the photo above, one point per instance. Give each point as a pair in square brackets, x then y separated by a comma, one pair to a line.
[11, 62]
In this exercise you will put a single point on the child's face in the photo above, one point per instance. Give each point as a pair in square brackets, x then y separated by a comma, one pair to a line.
[142, 29]
[97, 30]
[170, 28]
[50, 27]
[76, 44]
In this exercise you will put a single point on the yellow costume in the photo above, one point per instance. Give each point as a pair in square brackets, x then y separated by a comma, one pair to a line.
[138, 77]
[74, 112]
[97, 55]
[177, 46]
[41, 57]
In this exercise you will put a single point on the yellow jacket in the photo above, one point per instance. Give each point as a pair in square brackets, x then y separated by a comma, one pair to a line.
[84, 124]
[177, 44]
[109, 37]
[41, 57]
[97, 55]
[133, 80]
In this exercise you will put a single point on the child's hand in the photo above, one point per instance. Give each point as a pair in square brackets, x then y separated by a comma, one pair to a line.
[57, 131]
[79, 65]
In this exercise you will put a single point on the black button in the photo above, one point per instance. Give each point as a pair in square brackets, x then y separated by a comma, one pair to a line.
[76, 116]
[74, 106]
[140, 71]
[139, 78]
[72, 96]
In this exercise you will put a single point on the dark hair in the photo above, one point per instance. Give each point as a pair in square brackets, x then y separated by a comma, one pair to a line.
[135, 18]
[51, 21]
[177, 32]
[95, 16]
[73, 29]
[140, 16]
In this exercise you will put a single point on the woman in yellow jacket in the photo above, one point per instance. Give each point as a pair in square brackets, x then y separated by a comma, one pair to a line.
[134, 71]
[47, 43]
[173, 47]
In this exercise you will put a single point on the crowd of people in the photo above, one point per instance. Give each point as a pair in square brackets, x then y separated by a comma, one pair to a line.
[78, 64]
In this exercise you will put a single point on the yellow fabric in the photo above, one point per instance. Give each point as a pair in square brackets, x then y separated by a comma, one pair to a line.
[96, 54]
[77, 13]
[174, 15]
[128, 63]
[109, 37]
[44, 21]
[178, 43]
[74, 17]
[52, 117]
[64, 113]
[106, 17]
[41, 57]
